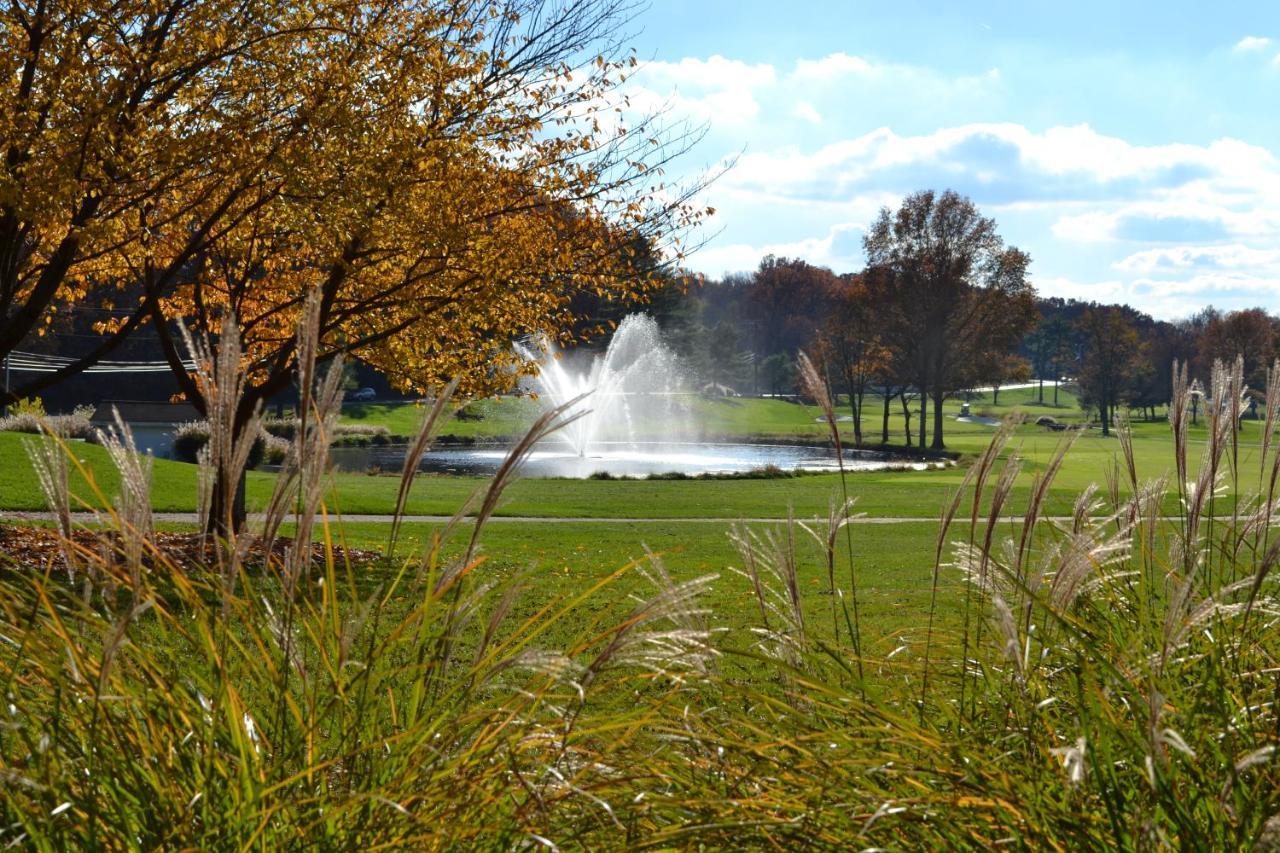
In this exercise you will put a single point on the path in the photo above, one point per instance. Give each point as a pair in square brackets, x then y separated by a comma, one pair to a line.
[191, 518]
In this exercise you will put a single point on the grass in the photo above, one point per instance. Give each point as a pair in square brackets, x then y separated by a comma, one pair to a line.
[909, 494]
[896, 559]
[504, 417]
[733, 417]
[1107, 683]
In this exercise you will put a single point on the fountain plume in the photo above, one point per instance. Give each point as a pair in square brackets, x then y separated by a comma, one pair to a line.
[629, 394]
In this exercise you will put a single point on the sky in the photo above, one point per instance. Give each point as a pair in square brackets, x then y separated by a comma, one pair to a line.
[1132, 148]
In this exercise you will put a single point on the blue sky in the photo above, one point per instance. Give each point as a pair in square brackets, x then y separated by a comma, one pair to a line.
[1132, 148]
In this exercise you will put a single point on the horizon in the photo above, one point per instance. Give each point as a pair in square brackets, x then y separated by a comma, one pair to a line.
[1134, 161]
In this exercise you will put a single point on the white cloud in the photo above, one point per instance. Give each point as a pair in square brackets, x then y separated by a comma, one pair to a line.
[806, 111]
[1096, 188]
[714, 72]
[839, 249]
[1065, 288]
[714, 89]
[830, 67]
[1177, 217]
[1165, 299]
[1177, 280]
[1252, 43]
[730, 93]
[1057, 151]
[1092, 227]
[1243, 285]
[1166, 227]
[1177, 258]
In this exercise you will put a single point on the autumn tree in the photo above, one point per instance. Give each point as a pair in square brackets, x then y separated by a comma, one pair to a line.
[950, 290]
[1250, 334]
[1163, 345]
[446, 175]
[998, 369]
[786, 304]
[849, 343]
[1111, 360]
[131, 126]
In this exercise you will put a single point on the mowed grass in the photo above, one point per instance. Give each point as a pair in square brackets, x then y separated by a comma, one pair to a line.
[904, 494]
[503, 417]
[894, 563]
[788, 712]
[722, 417]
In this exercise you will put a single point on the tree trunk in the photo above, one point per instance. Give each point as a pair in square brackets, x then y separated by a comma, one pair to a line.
[924, 415]
[855, 404]
[226, 503]
[906, 414]
[1042, 390]
[1056, 383]
[995, 395]
[884, 425]
[1106, 421]
[937, 422]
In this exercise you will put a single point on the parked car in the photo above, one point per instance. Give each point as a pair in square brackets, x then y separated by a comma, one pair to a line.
[364, 395]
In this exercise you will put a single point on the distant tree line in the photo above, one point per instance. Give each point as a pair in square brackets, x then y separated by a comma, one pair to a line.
[943, 306]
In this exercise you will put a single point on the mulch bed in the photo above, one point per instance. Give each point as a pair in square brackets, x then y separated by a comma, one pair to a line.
[36, 548]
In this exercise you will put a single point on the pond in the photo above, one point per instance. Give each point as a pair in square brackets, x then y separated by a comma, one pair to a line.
[630, 459]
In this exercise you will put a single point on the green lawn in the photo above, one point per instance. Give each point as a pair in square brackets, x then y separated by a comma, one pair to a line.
[902, 493]
[498, 418]
[570, 562]
[894, 565]
[893, 561]
[715, 417]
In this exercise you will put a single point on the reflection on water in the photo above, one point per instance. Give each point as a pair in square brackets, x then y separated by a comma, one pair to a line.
[625, 459]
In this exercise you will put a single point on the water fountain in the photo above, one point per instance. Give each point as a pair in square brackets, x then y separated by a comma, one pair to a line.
[633, 392]
[637, 419]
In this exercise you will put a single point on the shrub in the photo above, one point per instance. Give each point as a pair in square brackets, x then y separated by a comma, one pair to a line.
[764, 472]
[342, 435]
[280, 427]
[33, 406]
[190, 438]
[209, 705]
[274, 449]
[74, 425]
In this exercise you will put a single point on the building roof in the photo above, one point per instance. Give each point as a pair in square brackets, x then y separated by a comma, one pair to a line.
[138, 412]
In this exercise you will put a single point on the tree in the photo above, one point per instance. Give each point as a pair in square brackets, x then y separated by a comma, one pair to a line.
[1111, 362]
[1048, 350]
[1164, 344]
[442, 173]
[1250, 334]
[725, 362]
[952, 291]
[997, 369]
[779, 373]
[786, 304]
[849, 344]
[133, 134]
